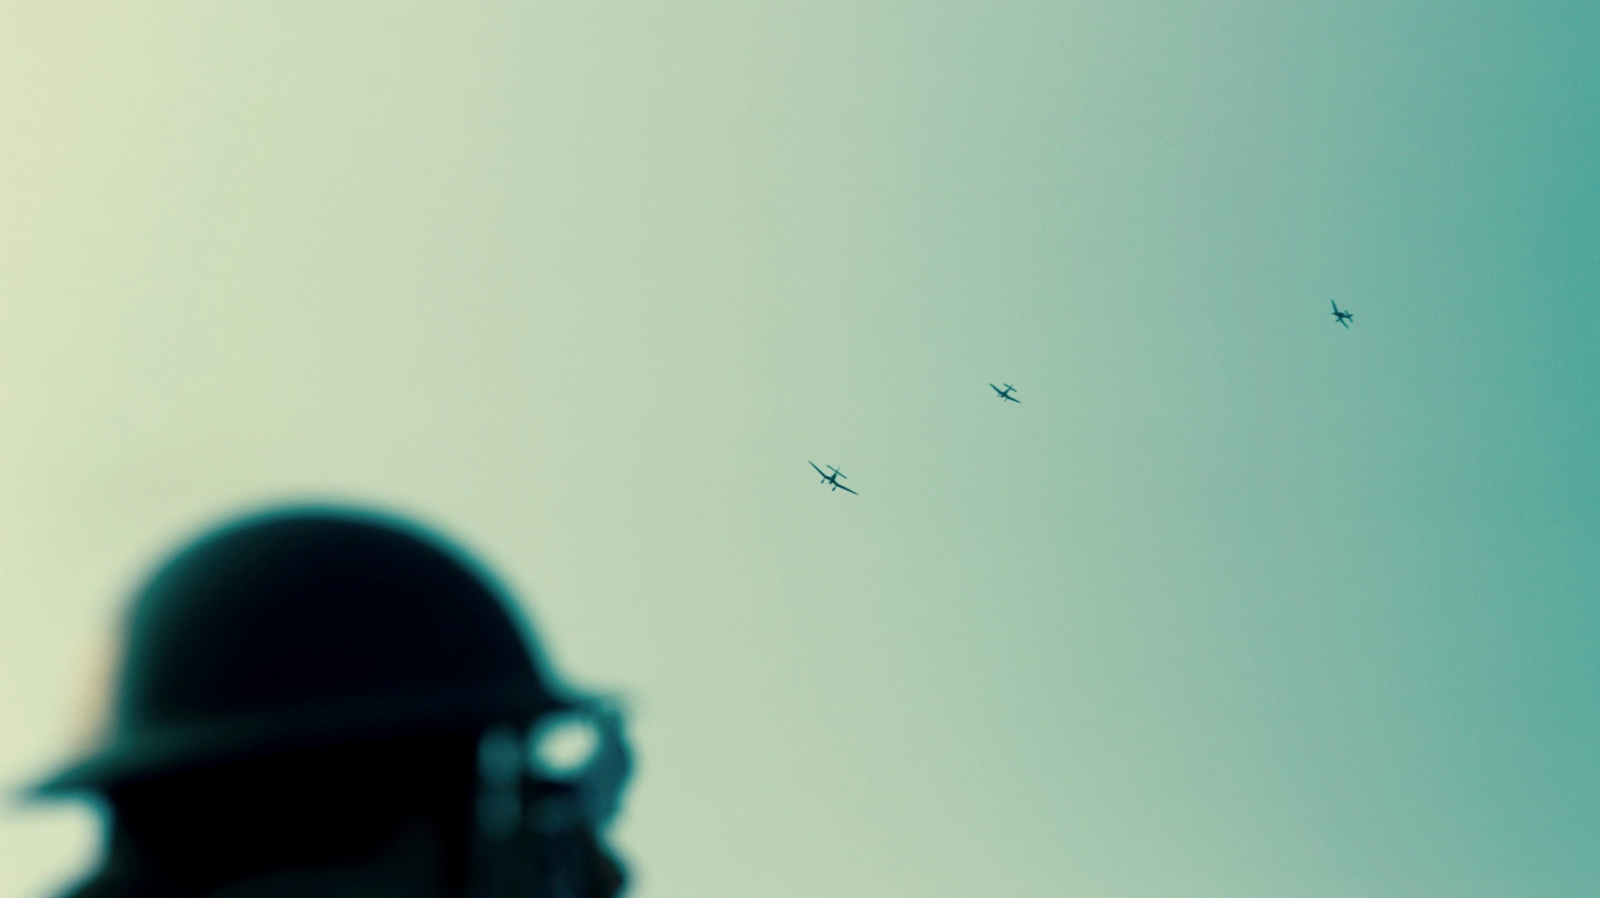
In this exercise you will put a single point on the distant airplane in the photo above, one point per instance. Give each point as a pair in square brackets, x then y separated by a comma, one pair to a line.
[1006, 393]
[1342, 317]
[833, 478]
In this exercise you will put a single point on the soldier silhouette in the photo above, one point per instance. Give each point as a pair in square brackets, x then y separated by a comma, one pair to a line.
[321, 703]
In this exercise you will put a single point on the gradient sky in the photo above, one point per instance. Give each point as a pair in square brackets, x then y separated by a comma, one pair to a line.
[1236, 603]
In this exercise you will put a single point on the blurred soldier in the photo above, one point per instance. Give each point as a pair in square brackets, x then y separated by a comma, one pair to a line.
[319, 703]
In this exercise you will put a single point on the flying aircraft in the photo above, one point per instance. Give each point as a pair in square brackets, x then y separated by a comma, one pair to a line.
[1006, 393]
[1342, 317]
[833, 478]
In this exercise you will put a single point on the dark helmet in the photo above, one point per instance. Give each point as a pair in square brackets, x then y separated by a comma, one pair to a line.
[310, 628]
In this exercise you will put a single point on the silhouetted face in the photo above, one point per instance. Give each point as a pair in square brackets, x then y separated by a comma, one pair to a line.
[412, 866]
[396, 820]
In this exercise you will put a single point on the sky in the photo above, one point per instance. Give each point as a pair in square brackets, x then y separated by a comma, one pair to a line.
[1236, 602]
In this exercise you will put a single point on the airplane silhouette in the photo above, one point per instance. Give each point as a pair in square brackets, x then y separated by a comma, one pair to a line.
[1342, 317]
[1006, 393]
[833, 478]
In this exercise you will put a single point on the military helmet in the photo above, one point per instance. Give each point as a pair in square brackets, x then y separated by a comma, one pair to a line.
[304, 628]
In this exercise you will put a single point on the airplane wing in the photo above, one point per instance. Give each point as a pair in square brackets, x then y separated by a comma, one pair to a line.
[847, 489]
[1345, 323]
[1013, 399]
[815, 468]
[1335, 306]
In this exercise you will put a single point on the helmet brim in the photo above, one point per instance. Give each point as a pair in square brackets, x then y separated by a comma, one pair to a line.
[174, 749]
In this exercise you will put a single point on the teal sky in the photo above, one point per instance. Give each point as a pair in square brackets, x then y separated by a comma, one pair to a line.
[1236, 603]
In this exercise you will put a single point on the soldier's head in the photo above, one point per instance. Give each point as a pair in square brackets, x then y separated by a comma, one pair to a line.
[319, 702]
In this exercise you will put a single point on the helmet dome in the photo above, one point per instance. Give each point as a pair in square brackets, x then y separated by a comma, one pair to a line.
[302, 628]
